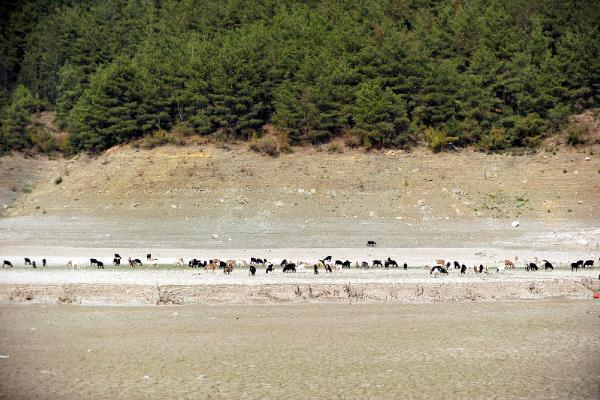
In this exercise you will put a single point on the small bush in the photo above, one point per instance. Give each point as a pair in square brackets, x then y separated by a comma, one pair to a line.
[353, 141]
[27, 189]
[267, 145]
[43, 141]
[494, 140]
[58, 180]
[576, 135]
[335, 148]
[438, 140]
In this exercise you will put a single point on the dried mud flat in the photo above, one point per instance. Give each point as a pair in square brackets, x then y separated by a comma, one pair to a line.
[541, 349]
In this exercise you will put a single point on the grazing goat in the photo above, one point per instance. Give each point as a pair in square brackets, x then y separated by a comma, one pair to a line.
[134, 262]
[533, 267]
[228, 268]
[440, 262]
[43, 262]
[328, 268]
[588, 263]
[377, 263]
[328, 258]
[346, 264]
[117, 261]
[371, 243]
[69, 263]
[405, 266]
[437, 269]
[456, 265]
[93, 262]
[6, 264]
[463, 269]
[316, 269]
[212, 265]
[576, 265]
[27, 261]
[269, 268]
[391, 263]
[257, 261]
[548, 265]
[252, 270]
[33, 264]
[291, 267]
[179, 262]
[100, 264]
[509, 264]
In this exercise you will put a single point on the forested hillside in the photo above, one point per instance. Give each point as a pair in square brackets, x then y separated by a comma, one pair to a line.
[389, 73]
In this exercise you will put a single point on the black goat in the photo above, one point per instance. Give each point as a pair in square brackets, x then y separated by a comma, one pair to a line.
[439, 269]
[391, 263]
[291, 267]
[531, 267]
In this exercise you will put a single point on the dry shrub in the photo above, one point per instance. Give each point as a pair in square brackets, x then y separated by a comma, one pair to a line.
[266, 144]
[576, 135]
[335, 148]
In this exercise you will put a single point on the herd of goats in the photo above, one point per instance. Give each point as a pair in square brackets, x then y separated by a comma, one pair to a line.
[326, 264]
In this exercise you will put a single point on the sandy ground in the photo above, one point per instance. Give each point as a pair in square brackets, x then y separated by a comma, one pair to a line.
[503, 350]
